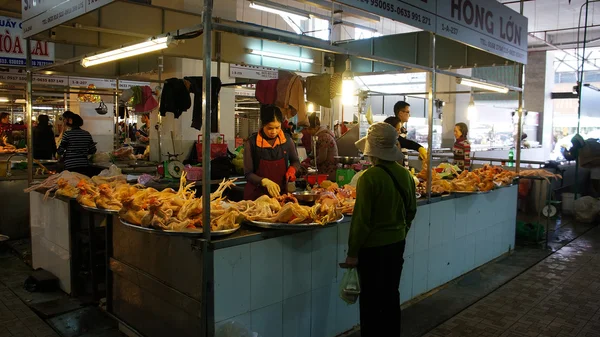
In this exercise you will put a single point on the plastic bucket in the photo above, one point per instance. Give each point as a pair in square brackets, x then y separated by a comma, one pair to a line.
[567, 202]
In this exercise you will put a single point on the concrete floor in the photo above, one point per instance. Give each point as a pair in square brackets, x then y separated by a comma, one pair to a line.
[514, 296]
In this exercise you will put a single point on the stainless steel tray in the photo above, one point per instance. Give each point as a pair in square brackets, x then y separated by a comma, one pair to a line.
[187, 232]
[100, 210]
[263, 224]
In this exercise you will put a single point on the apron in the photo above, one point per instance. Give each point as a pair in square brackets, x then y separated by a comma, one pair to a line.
[274, 170]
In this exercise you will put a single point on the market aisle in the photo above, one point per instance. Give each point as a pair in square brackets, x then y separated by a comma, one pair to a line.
[16, 319]
[558, 297]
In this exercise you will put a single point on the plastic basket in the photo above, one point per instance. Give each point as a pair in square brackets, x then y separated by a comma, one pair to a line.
[194, 173]
[216, 150]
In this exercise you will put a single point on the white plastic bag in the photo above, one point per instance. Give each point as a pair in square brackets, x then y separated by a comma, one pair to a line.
[112, 171]
[234, 329]
[586, 209]
[350, 286]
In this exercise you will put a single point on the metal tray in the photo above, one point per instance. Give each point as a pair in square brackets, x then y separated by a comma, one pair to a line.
[100, 210]
[474, 192]
[188, 232]
[311, 225]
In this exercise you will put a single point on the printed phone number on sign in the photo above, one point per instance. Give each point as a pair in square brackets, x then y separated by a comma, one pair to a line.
[402, 12]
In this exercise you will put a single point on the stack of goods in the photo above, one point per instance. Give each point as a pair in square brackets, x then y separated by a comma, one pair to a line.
[343, 198]
[540, 173]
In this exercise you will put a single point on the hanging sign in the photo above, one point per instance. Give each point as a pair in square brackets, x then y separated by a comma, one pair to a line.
[12, 46]
[19, 76]
[484, 24]
[41, 15]
[100, 83]
[253, 72]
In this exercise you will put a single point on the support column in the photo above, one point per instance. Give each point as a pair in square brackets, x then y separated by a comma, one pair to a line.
[539, 81]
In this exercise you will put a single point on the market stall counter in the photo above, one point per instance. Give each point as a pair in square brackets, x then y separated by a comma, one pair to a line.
[276, 282]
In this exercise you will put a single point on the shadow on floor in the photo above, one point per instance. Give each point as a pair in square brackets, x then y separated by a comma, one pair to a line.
[70, 317]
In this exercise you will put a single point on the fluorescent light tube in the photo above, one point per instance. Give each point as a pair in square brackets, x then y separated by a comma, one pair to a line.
[278, 11]
[482, 85]
[280, 56]
[43, 108]
[21, 101]
[4, 100]
[124, 52]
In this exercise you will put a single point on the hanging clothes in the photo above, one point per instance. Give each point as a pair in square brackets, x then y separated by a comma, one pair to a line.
[266, 91]
[175, 97]
[318, 90]
[196, 89]
[290, 97]
[147, 101]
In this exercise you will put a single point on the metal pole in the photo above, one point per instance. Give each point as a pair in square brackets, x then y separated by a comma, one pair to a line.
[580, 85]
[116, 144]
[207, 288]
[158, 125]
[521, 80]
[28, 112]
[430, 112]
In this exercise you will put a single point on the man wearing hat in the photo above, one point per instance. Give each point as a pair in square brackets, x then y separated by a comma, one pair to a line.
[385, 208]
[76, 145]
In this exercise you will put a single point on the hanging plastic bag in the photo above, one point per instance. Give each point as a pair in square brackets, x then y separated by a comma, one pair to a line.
[350, 286]
[369, 115]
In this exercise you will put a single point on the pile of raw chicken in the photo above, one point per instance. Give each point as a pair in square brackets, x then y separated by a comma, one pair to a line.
[181, 210]
[480, 180]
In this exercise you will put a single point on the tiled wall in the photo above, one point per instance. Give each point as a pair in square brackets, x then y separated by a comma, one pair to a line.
[289, 286]
[50, 238]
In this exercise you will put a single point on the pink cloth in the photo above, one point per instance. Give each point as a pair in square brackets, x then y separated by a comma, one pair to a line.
[148, 104]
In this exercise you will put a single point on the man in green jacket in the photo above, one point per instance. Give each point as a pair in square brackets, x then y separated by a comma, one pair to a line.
[385, 208]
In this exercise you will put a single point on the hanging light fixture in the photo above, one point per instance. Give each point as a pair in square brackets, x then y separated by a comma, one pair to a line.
[472, 114]
[129, 51]
[482, 85]
[348, 85]
[280, 56]
[4, 100]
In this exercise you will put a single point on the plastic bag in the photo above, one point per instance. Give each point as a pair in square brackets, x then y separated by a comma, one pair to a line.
[112, 171]
[101, 157]
[350, 286]
[586, 209]
[354, 180]
[234, 329]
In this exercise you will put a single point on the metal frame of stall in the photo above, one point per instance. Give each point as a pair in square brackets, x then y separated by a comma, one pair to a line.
[208, 26]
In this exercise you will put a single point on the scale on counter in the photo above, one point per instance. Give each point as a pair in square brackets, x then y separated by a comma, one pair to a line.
[172, 166]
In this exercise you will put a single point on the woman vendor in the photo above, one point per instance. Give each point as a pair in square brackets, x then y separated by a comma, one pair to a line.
[270, 159]
[326, 147]
[462, 147]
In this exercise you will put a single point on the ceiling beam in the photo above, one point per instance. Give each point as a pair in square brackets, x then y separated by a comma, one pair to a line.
[337, 8]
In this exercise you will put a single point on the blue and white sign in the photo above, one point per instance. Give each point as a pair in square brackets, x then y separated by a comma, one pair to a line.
[12, 46]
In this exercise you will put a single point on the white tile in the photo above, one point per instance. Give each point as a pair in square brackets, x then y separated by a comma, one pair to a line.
[490, 232]
[297, 250]
[266, 273]
[324, 308]
[421, 229]
[444, 213]
[296, 315]
[457, 259]
[481, 248]
[420, 270]
[58, 262]
[347, 315]
[410, 242]
[268, 321]
[435, 267]
[232, 282]
[245, 320]
[343, 230]
[470, 249]
[324, 260]
[406, 279]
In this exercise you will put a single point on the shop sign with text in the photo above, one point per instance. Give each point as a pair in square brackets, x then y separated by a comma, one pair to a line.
[12, 46]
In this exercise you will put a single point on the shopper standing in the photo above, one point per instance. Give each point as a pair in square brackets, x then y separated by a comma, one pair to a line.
[385, 208]
[44, 144]
[326, 146]
[76, 145]
[402, 111]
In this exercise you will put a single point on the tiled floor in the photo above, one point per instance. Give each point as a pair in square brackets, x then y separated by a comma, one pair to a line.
[16, 319]
[558, 297]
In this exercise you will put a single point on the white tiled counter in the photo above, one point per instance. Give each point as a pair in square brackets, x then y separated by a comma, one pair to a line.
[286, 283]
[289, 285]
